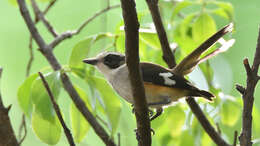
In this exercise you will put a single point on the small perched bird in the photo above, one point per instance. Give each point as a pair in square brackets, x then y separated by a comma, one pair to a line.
[162, 86]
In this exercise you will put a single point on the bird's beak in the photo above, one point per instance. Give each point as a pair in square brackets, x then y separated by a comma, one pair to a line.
[92, 61]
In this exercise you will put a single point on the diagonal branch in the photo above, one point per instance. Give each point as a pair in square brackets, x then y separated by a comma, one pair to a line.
[248, 96]
[132, 61]
[100, 131]
[215, 136]
[170, 60]
[168, 56]
[41, 16]
[58, 112]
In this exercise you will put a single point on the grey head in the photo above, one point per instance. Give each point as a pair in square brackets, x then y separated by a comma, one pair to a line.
[106, 61]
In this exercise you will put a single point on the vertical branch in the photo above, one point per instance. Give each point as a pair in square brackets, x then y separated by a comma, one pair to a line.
[167, 52]
[248, 96]
[132, 61]
[170, 60]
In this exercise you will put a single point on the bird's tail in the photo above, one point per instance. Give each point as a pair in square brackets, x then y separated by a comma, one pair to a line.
[205, 94]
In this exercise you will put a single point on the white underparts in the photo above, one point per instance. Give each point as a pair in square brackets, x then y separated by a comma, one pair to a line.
[167, 80]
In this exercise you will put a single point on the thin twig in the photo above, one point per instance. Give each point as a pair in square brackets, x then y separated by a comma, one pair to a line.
[29, 64]
[40, 16]
[245, 137]
[240, 89]
[94, 16]
[22, 126]
[50, 5]
[235, 139]
[58, 112]
[218, 128]
[69, 34]
[67, 84]
[132, 61]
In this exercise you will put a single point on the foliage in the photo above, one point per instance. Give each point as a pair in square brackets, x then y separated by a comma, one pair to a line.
[177, 126]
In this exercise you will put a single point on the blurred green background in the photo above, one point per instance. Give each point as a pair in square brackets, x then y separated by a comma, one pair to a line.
[68, 15]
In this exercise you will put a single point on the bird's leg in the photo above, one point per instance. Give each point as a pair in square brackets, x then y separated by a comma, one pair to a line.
[157, 114]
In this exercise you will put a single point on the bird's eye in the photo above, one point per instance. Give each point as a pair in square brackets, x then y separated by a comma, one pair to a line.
[113, 61]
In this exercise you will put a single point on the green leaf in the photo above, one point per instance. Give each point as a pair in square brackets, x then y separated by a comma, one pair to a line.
[13, 2]
[47, 131]
[82, 48]
[79, 52]
[79, 124]
[175, 120]
[23, 94]
[150, 39]
[256, 119]
[203, 28]
[230, 112]
[220, 12]
[186, 139]
[183, 36]
[206, 140]
[112, 103]
[179, 7]
[227, 8]
[40, 97]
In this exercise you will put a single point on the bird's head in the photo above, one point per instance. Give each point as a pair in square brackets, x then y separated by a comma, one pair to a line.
[106, 62]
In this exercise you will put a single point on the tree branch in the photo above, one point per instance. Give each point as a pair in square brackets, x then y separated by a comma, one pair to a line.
[205, 123]
[248, 96]
[132, 61]
[7, 135]
[170, 60]
[58, 112]
[69, 34]
[100, 131]
[40, 16]
[168, 56]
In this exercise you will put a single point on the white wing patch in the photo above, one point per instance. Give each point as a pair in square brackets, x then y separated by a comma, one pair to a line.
[166, 76]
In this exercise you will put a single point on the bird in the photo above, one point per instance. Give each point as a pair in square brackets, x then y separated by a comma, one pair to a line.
[162, 86]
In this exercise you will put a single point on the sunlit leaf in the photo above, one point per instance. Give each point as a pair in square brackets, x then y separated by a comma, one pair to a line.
[111, 101]
[256, 119]
[47, 131]
[203, 28]
[175, 120]
[230, 112]
[13, 2]
[186, 139]
[150, 39]
[206, 140]
[82, 48]
[40, 97]
[79, 124]
[183, 35]
[220, 12]
[23, 94]
[227, 7]
[179, 6]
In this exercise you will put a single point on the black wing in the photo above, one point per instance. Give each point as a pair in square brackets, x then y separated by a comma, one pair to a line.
[153, 73]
